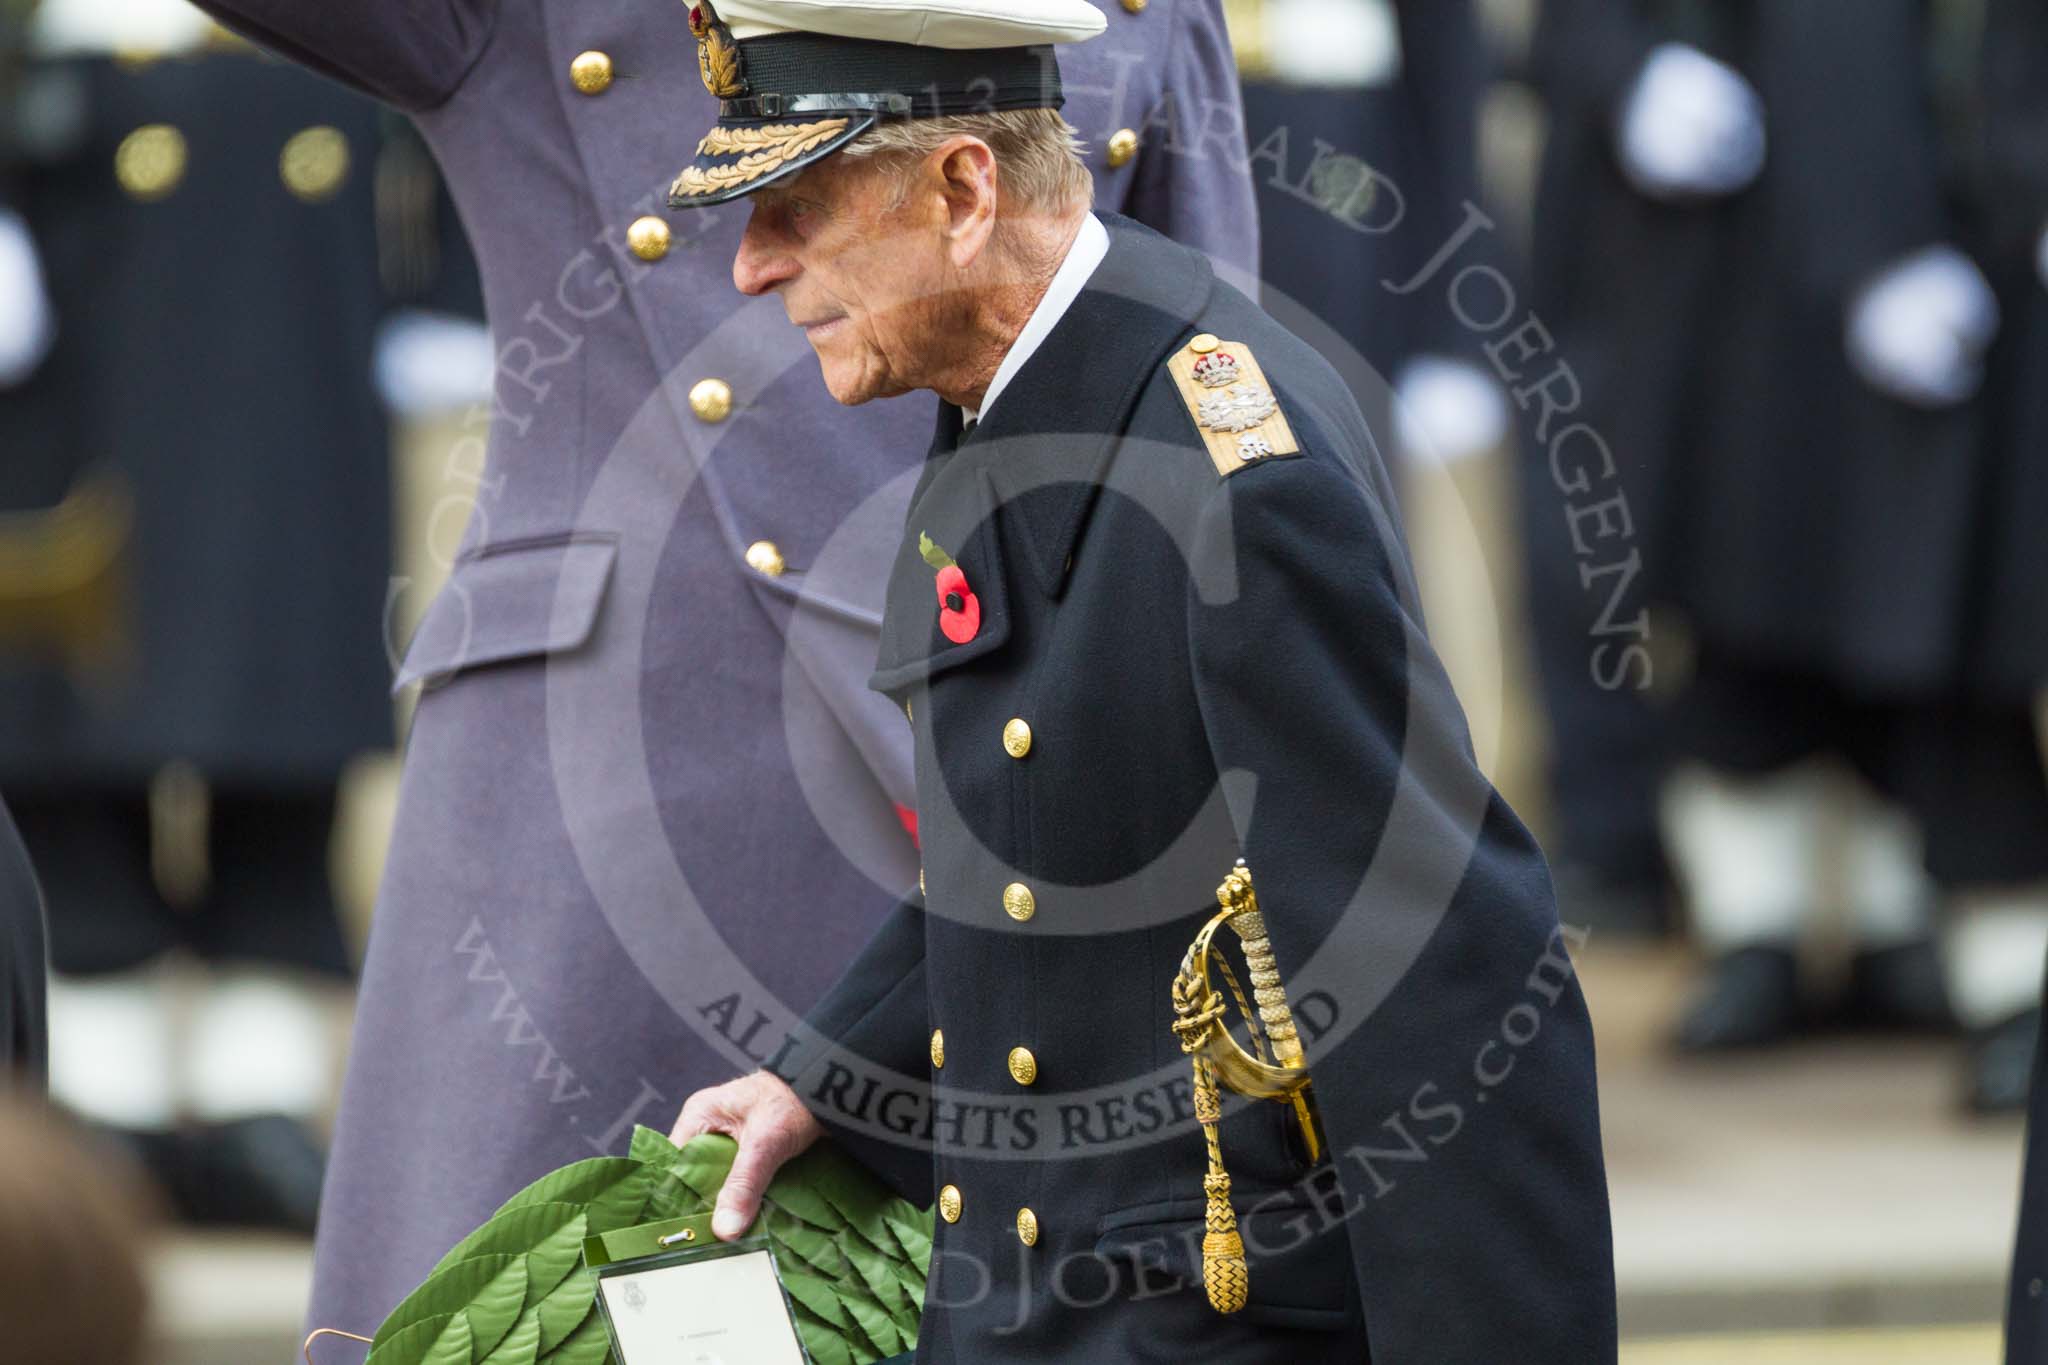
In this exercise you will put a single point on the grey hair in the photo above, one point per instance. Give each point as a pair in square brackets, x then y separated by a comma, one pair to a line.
[1038, 154]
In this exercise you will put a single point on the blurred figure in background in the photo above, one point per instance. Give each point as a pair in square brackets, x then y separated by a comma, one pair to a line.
[1362, 116]
[24, 338]
[2014, 180]
[73, 1226]
[1757, 235]
[198, 472]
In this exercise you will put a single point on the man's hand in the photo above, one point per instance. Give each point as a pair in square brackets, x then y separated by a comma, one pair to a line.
[770, 1124]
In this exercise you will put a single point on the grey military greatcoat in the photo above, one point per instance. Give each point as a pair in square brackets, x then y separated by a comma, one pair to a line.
[649, 808]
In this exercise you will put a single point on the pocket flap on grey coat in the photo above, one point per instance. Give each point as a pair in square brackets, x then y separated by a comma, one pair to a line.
[512, 601]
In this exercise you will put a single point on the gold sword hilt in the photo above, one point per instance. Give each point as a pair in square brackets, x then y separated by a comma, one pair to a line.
[1240, 900]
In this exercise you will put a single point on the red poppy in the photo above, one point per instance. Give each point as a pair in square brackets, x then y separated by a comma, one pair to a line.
[959, 609]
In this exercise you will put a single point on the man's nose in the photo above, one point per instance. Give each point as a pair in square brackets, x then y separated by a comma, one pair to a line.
[761, 263]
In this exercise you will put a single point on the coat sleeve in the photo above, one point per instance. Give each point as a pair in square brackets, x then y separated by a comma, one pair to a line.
[1872, 60]
[1413, 922]
[1198, 189]
[1587, 52]
[410, 53]
[877, 1014]
[2013, 193]
[1444, 70]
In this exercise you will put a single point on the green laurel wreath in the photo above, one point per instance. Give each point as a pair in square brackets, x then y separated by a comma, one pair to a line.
[514, 1292]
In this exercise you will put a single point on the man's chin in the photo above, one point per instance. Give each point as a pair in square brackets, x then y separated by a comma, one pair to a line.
[852, 385]
[849, 395]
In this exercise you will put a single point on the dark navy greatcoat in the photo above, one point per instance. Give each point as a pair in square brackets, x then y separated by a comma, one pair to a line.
[649, 808]
[1211, 667]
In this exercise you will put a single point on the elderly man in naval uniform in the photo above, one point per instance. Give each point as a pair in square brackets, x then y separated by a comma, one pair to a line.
[649, 808]
[1152, 622]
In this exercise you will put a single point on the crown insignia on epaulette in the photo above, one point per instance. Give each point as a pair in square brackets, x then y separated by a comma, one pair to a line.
[1217, 369]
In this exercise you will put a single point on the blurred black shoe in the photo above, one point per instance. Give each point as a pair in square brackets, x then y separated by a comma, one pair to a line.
[1897, 990]
[262, 1172]
[2000, 1066]
[1750, 1000]
[159, 1154]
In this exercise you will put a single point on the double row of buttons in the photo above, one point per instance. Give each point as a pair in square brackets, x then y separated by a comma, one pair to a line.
[1020, 904]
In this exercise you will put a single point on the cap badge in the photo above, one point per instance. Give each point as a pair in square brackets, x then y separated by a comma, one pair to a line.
[719, 59]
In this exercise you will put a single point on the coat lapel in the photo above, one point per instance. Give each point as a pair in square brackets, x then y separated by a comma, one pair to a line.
[1064, 415]
[1051, 436]
[954, 507]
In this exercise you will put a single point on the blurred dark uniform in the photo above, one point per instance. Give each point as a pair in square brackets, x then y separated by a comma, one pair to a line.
[1610, 273]
[2015, 85]
[1362, 175]
[23, 954]
[1822, 544]
[193, 213]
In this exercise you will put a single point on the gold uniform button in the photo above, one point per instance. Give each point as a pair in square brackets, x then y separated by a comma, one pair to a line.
[650, 238]
[764, 558]
[1135, 6]
[314, 164]
[1018, 902]
[1123, 145]
[1204, 343]
[949, 1203]
[711, 400]
[592, 73]
[151, 161]
[938, 1048]
[1023, 1066]
[1017, 739]
[1027, 1227]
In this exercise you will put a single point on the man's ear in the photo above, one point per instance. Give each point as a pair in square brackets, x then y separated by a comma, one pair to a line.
[965, 171]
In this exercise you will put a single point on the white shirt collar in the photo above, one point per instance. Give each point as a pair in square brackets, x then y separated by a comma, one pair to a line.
[1090, 246]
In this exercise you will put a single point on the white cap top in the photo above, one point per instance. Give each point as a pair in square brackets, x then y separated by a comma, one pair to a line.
[920, 23]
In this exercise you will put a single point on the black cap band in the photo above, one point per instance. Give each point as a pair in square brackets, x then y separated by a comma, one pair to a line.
[789, 100]
[786, 73]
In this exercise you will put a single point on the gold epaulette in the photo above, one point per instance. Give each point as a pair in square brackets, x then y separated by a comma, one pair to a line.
[1232, 404]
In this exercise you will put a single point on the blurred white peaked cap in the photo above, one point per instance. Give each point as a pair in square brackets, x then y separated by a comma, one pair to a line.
[962, 24]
